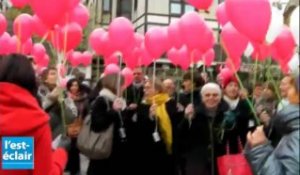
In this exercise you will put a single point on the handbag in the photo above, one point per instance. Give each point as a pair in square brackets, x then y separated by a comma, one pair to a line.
[95, 145]
[233, 164]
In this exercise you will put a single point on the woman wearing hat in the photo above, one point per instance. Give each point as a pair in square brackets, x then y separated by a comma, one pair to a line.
[240, 116]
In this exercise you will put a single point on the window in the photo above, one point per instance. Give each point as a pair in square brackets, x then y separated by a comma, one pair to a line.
[106, 11]
[106, 6]
[124, 8]
[176, 8]
[179, 7]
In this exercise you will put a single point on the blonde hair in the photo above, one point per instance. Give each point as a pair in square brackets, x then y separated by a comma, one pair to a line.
[111, 81]
[158, 85]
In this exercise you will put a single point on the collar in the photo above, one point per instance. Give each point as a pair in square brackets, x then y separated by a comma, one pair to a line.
[232, 103]
[108, 94]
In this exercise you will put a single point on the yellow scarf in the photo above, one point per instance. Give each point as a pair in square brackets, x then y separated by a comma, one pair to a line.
[164, 121]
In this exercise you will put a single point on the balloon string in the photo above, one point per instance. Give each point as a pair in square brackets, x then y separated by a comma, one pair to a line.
[242, 86]
[119, 77]
[177, 85]
[270, 77]
[192, 78]
[153, 77]
[98, 68]
[44, 37]
[255, 73]
[66, 35]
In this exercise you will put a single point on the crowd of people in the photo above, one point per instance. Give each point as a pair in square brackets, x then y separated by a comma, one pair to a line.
[158, 128]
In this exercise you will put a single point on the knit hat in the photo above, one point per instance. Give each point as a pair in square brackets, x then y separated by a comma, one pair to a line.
[227, 80]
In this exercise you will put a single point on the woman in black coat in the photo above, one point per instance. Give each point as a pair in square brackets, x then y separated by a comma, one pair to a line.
[105, 111]
[155, 132]
[240, 109]
[205, 132]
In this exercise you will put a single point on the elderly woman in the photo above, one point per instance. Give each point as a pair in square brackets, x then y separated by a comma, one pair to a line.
[205, 132]
[284, 158]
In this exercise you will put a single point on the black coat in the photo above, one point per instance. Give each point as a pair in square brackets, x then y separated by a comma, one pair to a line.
[119, 161]
[202, 142]
[152, 157]
[185, 98]
[134, 95]
[244, 116]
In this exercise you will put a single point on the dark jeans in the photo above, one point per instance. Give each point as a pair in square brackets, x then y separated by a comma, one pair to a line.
[73, 165]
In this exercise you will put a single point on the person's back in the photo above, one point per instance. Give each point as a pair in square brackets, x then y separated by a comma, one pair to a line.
[21, 116]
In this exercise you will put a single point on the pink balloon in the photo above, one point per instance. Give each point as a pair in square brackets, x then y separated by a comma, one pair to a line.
[43, 62]
[221, 14]
[284, 45]
[146, 58]
[71, 4]
[23, 27]
[86, 58]
[192, 26]
[183, 57]
[19, 3]
[156, 41]
[128, 76]
[40, 29]
[80, 14]
[112, 59]
[111, 69]
[128, 50]
[4, 47]
[209, 57]
[95, 40]
[132, 60]
[284, 67]
[174, 34]
[49, 11]
[121, 32]
[38, 51]
[13, 45]
[234, 65]
[225, 74]
[261, 51]
[233, 42]
[3, 24]
[27, 47]
[196, 55]
[207, 40]
[75, 59]
[139, 39]
[251, 18]
[68, 37]
[172, 55]
[201, 4]
[107, 45]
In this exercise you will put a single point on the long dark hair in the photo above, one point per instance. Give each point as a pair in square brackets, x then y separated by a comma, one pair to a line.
[70, 83]
[17, 69]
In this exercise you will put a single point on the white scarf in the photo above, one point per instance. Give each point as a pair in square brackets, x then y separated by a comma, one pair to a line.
[232, 103]
[111, 96]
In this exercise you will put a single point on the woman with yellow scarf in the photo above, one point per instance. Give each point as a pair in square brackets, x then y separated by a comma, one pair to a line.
[156, 127]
